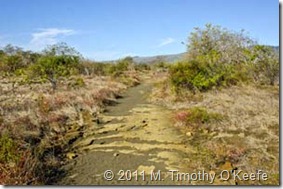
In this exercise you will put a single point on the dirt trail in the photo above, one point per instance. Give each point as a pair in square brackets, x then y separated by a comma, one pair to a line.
[133, 135]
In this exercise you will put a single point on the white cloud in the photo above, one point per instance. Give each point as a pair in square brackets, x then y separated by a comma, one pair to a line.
[48, 36]
[166, 41]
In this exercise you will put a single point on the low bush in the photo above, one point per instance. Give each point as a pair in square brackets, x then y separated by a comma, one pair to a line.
[89, 68]
[8, 149]
[198, 76]
[76, 83]
[265, 65]
[218, 57]
[197, 116]
[142, 67]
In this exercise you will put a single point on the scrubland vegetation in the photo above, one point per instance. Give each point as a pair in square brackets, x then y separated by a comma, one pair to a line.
[47, 101]
[220, 58]
[224, 95]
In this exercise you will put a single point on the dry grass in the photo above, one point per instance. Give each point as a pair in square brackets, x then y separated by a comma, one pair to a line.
[248, 137]
[39, 122]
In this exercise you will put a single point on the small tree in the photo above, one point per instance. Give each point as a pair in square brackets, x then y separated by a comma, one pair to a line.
[218, 57]
[215, 44]
[266, 64]
[126, 63]
[11, 58]
[12, 50]
[61, 49]
[121, 66]
[57, 61]
[14, 60]
[213, 53]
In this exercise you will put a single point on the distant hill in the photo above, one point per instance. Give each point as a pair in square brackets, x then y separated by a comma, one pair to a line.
[166, 58]
[275, 48]
[171, 58]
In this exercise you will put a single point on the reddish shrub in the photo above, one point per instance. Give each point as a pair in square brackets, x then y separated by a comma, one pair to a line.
[235, 154]
[181, 116]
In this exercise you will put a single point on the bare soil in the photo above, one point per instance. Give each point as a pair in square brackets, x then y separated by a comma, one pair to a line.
[136, 138]
[133, 135]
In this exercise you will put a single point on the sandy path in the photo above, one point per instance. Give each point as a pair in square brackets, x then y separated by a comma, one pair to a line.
[135, 136]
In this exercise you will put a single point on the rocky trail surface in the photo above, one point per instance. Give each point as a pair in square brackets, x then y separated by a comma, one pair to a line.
[135, 143]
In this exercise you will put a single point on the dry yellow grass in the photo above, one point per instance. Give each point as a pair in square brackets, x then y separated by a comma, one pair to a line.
[248, 136]
[44, 124]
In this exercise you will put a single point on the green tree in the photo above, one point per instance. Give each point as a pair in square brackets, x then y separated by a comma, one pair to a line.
[215, 44]
[14, 59]
[57, 61]
[216, 57]
[12, 50]
[61, 49]
[14, 62]
[121, 66]
[11, 59]
[126, 63]
[266, 64]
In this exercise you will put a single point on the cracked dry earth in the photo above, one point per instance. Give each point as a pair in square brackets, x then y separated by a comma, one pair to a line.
[134, 135]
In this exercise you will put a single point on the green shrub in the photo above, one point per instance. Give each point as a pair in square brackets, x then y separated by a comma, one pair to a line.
[142, 67]
[88, 67]
[265, 62]
[57, 61]
[44, 105]
[201, 76]
[128, 80]
[213, 44]
[113, 70]
[8, 149]
[77, 83]
[199, 115]
[218, 57]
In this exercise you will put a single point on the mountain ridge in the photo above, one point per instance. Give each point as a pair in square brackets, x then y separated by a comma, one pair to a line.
[170, 58]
